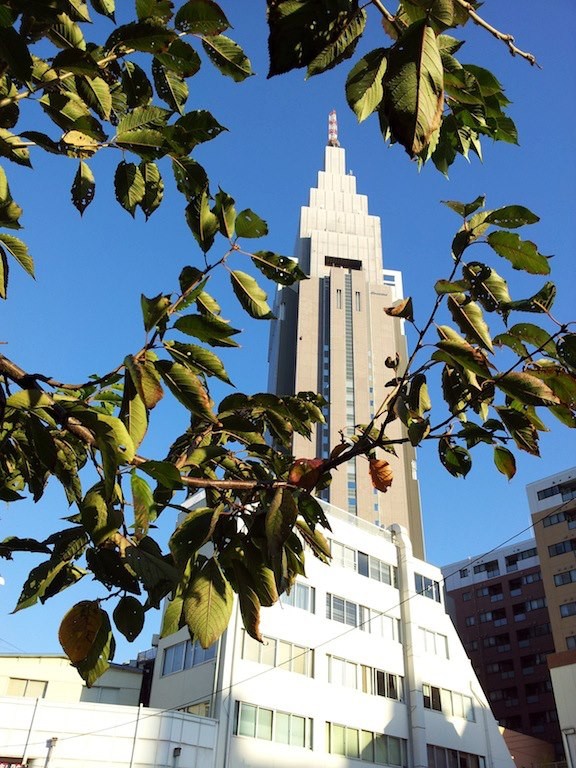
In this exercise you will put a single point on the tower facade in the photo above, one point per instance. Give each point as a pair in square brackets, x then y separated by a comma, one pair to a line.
[332, 336]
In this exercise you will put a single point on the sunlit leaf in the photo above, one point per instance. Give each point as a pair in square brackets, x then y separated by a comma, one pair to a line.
[364, 89]
[504, 461]
[228, 57]
[208, 604]
[250, 295]
[83, 187]
[522, 254]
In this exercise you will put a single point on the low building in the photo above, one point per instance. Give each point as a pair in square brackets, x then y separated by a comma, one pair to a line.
[360, 662]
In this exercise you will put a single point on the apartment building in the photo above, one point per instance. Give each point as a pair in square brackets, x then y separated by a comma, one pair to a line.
[499, 607]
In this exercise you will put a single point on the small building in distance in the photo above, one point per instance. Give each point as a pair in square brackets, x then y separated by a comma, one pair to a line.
[498, 604]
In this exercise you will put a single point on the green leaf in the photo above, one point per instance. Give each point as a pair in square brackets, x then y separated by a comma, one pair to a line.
[180, 58]
[487, 286]
[226, 213]
[454, 458]
[199, 359]
[133, 411]
[504, 461]
[65, 33]
[143, 503]
[567, 349]
[208, 604]
[164, 472]
[104, 7]
[468, 317]
[191, 178]
[281, 269]
[129, 186]
[228, 57]
[203, 223]
[96, 93]
[300, 34]
[146, 36]
[521, 429]
[99, 517]
[527, 389]
[83, 187]
[27, 399]
[135, 85]
[413, 88]
[14, 149]
[208, 328]
[465, 355]
[85, 635]
[280, 520]
[186, 388]
[154, 9]
[14, 52]
[192, 533]
[531, 334]
[522, 254]
[38, 581]
[341, 45]
[250, 295]
[195, 128]
[154, 309]
[249, 224]
[170, 87]
[201, 17]
[153, 188]
[364, 88]
[18, 250]
[466, 209]
[129, 617]
[540, 302]
[512, 216]
[250, 610]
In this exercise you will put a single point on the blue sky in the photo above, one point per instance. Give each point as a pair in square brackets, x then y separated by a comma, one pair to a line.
[82, 315]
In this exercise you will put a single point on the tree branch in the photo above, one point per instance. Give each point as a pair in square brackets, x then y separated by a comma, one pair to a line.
[505, 38]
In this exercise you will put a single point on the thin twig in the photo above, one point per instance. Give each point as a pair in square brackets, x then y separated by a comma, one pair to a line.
[504, 37]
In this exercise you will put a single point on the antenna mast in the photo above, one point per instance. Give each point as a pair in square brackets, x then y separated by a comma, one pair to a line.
[333, 130]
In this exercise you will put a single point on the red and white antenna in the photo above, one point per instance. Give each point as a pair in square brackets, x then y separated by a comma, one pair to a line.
[333, 130]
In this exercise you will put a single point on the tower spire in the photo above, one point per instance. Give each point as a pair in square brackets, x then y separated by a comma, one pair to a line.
[333, 130]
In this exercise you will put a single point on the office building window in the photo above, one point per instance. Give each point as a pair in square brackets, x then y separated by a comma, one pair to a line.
[568, 609]
[434, 642]
[464, 572]
[363, 678]
[490, 569]
[513, 560]
[367, 619]
[427, 587]
[301, 596]
[367, 746]
[449, 702]
[571, 642]
[565, 578]
[357, 306]
[441, 757]
[279, 653]
[270, 725]
[29, 689]
[562, 547]
[185, 655]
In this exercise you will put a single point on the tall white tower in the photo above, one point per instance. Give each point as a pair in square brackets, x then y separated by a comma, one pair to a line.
[332, 336]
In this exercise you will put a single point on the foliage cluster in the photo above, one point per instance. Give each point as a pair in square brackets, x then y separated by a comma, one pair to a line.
[129, 94]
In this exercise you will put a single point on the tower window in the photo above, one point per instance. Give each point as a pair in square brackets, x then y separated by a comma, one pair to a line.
[357, 301]
[338, 298]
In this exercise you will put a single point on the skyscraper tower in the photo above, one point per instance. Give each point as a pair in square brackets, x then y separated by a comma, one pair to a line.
[332, 336]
